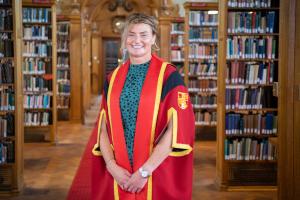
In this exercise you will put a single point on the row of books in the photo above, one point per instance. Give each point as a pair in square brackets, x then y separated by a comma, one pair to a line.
[36, 15]
[203, 34]
[177, 28]
[6, 19]
[250, 73]
[203, 18]
[249, 149]
[204, 101]
[6, 72]
[7, 124]
[37, 101]
[177, 55]
[63, 66]
[203, 69]
[7, 99]
[6, 46]
[63, 89]
[5, 2]
[199, 51]
[249, 3]
[242, 97]
[256, 124]
[202, 86]
[37, 32]
[37, 119]
[62, 45]
[206, 118]
[36, 66]
[37, 84]
[251, 22]
[177, 41]
[63, 74]
[63, 28]
[7, 149]
[37, 49]
[62, 61]
[251, 47]
[63, 101]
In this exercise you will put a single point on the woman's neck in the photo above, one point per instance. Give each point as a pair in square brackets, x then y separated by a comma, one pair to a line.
[139, 60]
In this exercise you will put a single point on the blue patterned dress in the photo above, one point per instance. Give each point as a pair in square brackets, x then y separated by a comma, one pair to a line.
[129, 102]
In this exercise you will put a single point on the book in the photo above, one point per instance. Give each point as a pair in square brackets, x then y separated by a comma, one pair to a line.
[202, 18]
[244, 97]
[6, 45]
[7, 152]
[254, 124]
[251, 22]
[249, 149]
[199, 101]
[251, 47]
[6, 18]
[249, 3]
[205, 118]
[37, 118]
[36, 15]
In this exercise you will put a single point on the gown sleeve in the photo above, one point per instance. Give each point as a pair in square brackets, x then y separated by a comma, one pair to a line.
[103, 115]
[101, 181]
[176, 105]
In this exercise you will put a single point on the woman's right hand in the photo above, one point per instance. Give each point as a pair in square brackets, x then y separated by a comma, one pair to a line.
[120, 174]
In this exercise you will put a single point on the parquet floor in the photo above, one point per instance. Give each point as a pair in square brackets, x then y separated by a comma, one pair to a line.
[49, 170]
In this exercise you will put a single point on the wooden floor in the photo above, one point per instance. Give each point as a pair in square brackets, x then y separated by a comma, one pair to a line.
[49, 170]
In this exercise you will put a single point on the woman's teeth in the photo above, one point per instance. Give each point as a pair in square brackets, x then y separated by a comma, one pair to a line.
[137, 47]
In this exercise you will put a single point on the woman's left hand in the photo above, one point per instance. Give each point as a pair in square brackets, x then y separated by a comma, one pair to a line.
[136, 183]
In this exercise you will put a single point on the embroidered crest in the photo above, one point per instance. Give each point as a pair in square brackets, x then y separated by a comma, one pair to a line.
[182, 100]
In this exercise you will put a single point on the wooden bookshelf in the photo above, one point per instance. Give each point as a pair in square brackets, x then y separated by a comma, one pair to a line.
[43, 61]
[63, 69]
[11, 167]
[234, 171]
[200, 59]
[177, 43]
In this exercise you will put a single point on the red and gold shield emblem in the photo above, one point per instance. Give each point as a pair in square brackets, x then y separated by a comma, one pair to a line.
[182, 100]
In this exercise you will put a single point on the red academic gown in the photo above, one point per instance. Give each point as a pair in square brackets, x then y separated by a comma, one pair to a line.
[163, 97]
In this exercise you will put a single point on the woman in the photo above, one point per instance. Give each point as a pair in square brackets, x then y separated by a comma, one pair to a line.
[145, 132]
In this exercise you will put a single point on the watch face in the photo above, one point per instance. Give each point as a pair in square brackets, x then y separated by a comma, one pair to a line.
[144, 174]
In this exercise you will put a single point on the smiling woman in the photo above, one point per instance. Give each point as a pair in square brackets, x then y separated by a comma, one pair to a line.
[139, 37]
[145, 131]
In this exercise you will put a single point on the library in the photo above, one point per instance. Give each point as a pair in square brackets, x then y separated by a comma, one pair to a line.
[215, 83]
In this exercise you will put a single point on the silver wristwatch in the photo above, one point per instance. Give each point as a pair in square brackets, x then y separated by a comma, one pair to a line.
[144, 173]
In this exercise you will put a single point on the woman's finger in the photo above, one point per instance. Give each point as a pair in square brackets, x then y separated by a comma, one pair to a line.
[130, 189]
[127, 173]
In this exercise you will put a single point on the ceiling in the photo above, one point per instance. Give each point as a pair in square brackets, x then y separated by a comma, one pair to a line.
[64, 6]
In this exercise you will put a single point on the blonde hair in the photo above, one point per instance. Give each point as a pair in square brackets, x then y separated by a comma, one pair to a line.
[140, 18]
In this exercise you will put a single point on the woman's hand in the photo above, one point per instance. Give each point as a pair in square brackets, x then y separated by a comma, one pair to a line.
[120, 174]
[136, 183]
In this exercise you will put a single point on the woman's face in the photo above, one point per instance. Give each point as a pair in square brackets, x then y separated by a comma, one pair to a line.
[139, 41]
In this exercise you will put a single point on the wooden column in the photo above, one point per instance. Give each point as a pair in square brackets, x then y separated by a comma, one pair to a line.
[86, 69]
[297, 103]
[18, 170]
[164, 37]
[75, 65]
[220, 162]
[101, 70]
[95, 63]
[289, 126]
